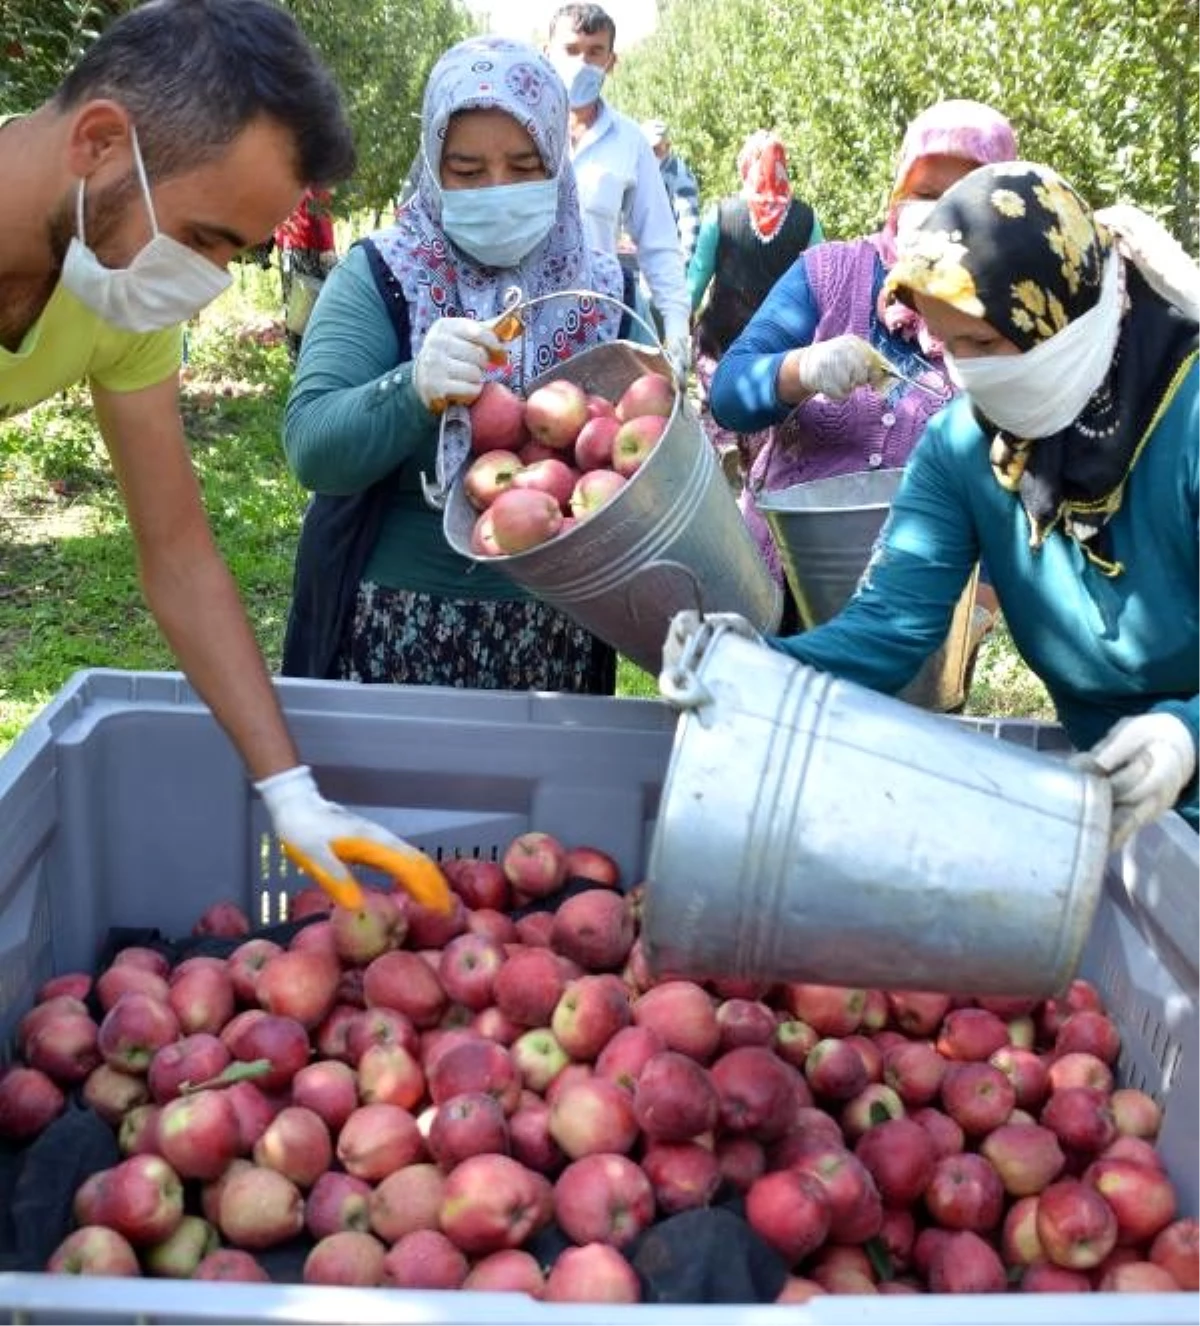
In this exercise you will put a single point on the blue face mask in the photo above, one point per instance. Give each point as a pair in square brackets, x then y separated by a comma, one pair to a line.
[500, 225]
[583, 81]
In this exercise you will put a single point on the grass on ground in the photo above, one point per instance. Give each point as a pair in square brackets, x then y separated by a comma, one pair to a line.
[69, 595]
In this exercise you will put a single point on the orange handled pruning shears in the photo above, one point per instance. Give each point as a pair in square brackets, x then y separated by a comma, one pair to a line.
[414, 872]
[508, 326]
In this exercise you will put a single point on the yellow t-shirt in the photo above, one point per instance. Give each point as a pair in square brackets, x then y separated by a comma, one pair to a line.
[69, 343]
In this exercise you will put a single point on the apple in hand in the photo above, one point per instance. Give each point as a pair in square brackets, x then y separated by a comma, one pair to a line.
[497, 419]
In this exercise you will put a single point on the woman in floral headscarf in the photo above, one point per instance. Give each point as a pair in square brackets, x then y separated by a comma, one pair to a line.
[807, 363]
[745, 245]
[401, 330]
[1070, 465]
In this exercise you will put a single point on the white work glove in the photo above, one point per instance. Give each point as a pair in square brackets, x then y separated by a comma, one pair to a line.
[450, 364]
[318, 836]
[838, 367]
[328, 261]
[685, 625]
[677, 337]
[1148, 761]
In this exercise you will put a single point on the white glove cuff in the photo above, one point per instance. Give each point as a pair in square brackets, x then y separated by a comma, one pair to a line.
[280, 789]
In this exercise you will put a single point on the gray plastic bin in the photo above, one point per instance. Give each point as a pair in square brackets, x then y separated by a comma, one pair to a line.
[124, 804]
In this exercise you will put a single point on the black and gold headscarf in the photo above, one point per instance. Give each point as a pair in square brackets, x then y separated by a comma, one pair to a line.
[1015, 245]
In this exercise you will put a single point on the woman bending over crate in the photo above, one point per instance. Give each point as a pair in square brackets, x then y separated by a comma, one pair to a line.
[402, 328]
[1069, 465]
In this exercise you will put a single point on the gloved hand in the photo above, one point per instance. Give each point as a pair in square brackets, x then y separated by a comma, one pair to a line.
[1148, 761]
[449, 366]
[677, 338]
[328, 261]
[837, 367]
[685, 625]
[318, 836]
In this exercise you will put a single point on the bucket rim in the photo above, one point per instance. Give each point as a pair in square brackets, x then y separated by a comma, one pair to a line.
[783, 501]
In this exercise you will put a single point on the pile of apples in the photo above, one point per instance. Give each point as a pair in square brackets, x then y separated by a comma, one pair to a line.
[420, 1094]
[544, 464]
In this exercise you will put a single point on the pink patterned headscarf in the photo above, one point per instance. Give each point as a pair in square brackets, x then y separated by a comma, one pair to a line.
[969, 130]
[440, 280]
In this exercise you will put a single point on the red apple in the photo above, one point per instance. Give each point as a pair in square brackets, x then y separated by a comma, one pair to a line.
[594, 445]
[1138, 1278]
[1082, 1119]
[29, 1102]
[977, 1096]
[511, 1270]
[224, 919]
[489, 1203]
[971, 1034]
[1076, 1226]
[198, 1134]
[181, 1252]
[594, 928]
[684, 1015]
[1177, 1250]
[471, 1124]
[467, 970]
[899, 1155]
[231, 1264]
[475, 1065]
[965, 1192]
[593, 1117]
[245, 963]
[627, 1054]
[1026, 1156]
[1143, 1200]
[488, 476]
[65, 1047]
[297, 1144]
[300, 985]
[405, 982]
[756, 1091]
[528, 986]
[137, 1133]
[594, 1273]
[480, 884]
[835, 1070]
[965, 1264]
[555, 413]
[1136, 1113]
[914, 1070]
[141, 1198]
[634, 442]
[831, 1010]
[329, 1088]
[108, 1091]
[674, 1098]
[595, 489]
[1019, 1242]
[1027, 1073]
[553, 477]
[535, 864]
[1043, 1278]
[408, 1199]
[603, 1199]
[133, 1030]
[337, 1202]
[424, 1259]
[650, 394]
[73, 984]
[377, 1139]
[790, 1211]
[1090, 1032]
[349, 1257]
[918, 1013]
[282, 1041]
[94, 1250]
[529, 1136]
[589, 1013]
[379, 1026]
[362, 934]
[684, 1175]
[794, 1040]
[740, 1160]
[497, 419]
[855, 1206]
[539, 1058]
[874, 1104]
[202, 999]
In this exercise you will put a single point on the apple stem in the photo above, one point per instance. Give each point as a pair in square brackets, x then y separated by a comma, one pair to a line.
[231, 1073]
[880, 1259]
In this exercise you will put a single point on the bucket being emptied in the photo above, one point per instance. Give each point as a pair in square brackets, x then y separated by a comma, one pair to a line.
[825, 530]
[810, 829]
[672, 538]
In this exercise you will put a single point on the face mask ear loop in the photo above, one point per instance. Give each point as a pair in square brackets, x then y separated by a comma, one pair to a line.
[79, 226]
[141, 173]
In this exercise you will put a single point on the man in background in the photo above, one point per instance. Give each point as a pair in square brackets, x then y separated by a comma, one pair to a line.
[682, 189]
[620, 185]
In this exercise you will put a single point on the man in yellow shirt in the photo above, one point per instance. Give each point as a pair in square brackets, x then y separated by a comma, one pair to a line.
[186, 133]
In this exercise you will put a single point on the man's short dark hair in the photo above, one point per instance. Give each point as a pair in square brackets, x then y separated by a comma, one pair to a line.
[587, 19]
[194, 73]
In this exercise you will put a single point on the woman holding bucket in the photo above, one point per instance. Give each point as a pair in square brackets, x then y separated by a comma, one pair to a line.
[808, 364]
[401, 328]
[1070, 466]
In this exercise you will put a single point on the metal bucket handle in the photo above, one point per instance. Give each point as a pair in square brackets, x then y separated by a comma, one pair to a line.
[514, 304]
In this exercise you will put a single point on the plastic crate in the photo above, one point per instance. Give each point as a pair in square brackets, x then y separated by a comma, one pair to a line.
[125, 804]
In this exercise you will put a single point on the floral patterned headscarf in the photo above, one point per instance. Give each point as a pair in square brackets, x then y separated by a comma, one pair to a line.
[1016, 246]
[440, 280]
[762, 164]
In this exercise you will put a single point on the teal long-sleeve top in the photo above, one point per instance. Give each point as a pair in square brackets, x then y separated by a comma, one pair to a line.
[703, 264]
[1106, 647]
[353, 416]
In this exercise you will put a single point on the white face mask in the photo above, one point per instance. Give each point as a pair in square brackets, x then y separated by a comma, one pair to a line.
[164, 285]
[583, 81]
[909, 217]
[500, 225]
[1040, 392]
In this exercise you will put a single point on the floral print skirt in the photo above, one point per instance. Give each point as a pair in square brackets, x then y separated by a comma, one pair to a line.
[403, 637]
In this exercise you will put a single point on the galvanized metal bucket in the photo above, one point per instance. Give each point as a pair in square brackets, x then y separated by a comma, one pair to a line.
[825, 531]
[671, 539]
[810, 829]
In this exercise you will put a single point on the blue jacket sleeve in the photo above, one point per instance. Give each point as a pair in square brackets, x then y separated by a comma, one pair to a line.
[901, 610]
[743, 396]
[704, 260]
[352, 415]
